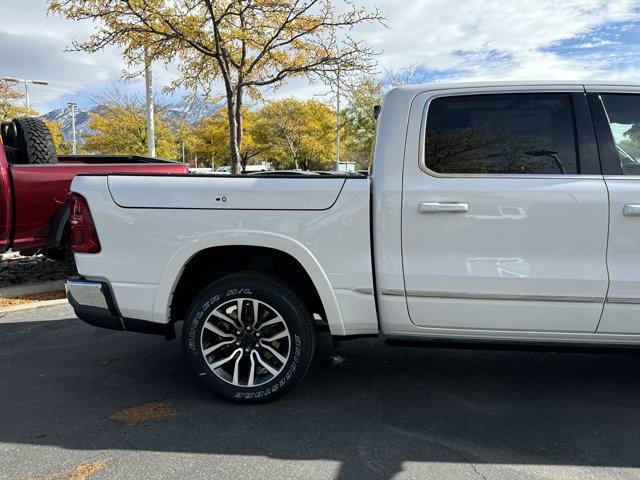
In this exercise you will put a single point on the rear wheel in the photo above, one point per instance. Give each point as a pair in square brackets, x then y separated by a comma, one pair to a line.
[62, 254]
[249, 337]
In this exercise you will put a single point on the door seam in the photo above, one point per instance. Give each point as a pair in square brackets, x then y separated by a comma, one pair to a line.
[606, 254]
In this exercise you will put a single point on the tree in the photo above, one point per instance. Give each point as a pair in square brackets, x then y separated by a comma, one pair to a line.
[297, 134]
[359, 123]
[212, 138]
[248, 44]
[62, 146]
[119, 128]
[185, 140]
[411, 75]
[10, 102]
[250, 148]
[8, 98]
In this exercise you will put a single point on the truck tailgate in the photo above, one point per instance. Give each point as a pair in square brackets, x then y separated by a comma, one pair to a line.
[220, 192]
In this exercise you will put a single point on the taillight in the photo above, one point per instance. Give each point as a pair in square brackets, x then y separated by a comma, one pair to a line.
[84, 238]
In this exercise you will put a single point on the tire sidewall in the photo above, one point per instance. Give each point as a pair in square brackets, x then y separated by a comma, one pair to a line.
[291, 310]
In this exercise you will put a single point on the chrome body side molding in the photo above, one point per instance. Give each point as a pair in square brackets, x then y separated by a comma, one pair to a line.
[623, 300]
[501, 296]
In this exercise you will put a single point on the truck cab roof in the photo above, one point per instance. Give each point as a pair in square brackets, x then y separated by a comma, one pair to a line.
[528, 84]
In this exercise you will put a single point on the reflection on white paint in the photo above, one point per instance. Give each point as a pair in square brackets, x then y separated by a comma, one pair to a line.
[498, 267]
[505, 213]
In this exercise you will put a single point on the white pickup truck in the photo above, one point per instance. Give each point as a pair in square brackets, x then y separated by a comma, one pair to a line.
[495, 212]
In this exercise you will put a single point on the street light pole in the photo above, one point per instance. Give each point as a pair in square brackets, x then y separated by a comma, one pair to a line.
[26, 95]
[74, 144]
[26, 82]
[338, 120]
[151, 128]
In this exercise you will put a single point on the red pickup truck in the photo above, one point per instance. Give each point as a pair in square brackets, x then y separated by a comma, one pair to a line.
[34, 184]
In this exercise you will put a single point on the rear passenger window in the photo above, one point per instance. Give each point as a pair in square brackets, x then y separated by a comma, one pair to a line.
[623, 111]
[501, 134]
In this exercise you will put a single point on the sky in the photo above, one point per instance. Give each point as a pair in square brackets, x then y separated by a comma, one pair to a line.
[442, 40]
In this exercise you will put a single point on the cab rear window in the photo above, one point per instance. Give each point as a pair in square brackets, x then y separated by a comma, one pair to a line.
[501, 134]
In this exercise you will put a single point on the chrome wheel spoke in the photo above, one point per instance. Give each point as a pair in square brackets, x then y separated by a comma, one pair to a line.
[240, 302]
[256, 306]
[219, 363]
[225, 318]
[268, 367]
[252, 370]
[213, 348]
[236, 370]
[274, 352]
[277, 336]
[217, 331]
[273, 321]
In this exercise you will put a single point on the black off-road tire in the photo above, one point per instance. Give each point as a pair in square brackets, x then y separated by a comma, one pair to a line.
[62, 254]
[272, 291]
[34, 142]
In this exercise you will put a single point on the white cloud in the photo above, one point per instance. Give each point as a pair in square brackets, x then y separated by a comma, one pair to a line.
[34, 46]
[598, 43]
[433, 33]
[464, 39]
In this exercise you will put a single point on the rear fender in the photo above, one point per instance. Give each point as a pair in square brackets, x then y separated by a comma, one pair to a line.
[57, 226]
[173, 270]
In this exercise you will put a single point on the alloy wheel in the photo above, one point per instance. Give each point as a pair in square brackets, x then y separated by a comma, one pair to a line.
[245, 342]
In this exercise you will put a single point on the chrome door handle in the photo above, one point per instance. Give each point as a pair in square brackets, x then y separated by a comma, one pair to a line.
[631, 211]
[443, 207]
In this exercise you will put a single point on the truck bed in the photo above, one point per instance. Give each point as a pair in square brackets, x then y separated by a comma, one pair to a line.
[322, 221]
[37, 192]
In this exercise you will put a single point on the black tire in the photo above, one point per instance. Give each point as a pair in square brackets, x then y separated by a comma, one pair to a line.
[272, 292]
[62, 254]
[34, 142]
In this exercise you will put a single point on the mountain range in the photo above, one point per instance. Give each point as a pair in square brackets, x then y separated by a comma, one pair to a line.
[188, 111]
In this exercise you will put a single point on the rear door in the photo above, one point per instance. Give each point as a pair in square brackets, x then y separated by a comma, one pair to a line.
[616, 113]
[504, 223]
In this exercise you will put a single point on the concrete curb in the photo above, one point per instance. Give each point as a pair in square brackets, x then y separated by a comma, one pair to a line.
[27, 306]
[31, 288]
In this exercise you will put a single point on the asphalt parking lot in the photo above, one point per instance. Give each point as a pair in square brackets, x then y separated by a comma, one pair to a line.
[77, 400]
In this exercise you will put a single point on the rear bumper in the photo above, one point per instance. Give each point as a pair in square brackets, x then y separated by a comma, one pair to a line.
[94, 304]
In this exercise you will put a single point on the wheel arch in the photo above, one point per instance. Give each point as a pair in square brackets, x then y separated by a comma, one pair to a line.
[197, 248]
[58, 223]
